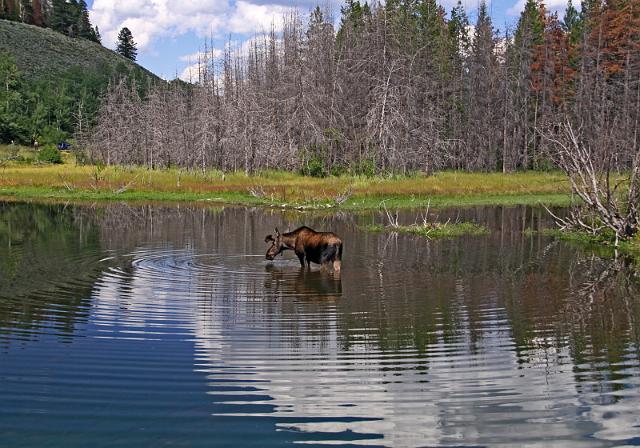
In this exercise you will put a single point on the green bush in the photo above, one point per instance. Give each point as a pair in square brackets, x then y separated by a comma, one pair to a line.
[49, 154]
[313, 163]
[365, 167]
[314, 167]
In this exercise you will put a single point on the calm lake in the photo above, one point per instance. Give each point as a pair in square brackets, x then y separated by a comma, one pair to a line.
[126, 325]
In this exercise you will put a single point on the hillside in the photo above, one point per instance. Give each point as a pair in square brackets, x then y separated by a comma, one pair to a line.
[54, 83]
[42, 52]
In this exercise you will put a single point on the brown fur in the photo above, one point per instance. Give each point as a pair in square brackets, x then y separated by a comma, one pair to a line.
[323, 248]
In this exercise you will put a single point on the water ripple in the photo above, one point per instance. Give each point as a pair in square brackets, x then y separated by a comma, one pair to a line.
[416, 343]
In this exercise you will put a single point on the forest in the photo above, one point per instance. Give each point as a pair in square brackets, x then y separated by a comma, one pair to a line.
[67, 17]
[401, 87]
[49, 109]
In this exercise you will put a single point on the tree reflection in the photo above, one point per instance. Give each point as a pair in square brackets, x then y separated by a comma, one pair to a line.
[50, 259]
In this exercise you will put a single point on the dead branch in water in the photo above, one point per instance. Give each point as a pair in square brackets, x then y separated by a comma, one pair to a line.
[589, 172]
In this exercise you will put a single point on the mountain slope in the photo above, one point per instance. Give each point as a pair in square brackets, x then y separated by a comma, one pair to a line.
[54, 84]
[42, 52]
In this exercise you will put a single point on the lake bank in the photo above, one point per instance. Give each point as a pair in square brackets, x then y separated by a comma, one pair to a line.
[281, 189]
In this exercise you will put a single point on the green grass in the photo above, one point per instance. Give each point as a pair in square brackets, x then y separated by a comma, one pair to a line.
[601, 245]
[279, 189]
[434, 230]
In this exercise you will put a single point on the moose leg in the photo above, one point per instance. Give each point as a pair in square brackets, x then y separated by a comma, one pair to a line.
[301, 258]
[336, 266]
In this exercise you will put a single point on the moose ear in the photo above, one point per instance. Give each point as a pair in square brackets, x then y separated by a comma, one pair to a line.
[277, 232]
[268, 238]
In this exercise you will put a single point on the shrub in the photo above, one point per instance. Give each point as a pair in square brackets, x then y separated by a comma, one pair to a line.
[313, 163]
[49, 154]
[365, 167]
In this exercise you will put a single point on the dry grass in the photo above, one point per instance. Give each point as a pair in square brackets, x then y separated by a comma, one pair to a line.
[275, 187]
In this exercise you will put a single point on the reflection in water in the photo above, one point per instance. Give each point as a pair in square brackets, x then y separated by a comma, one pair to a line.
[501, 339]
[39, 247]
[302, 283]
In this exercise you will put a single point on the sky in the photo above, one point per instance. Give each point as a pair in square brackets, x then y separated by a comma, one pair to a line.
[170, 34]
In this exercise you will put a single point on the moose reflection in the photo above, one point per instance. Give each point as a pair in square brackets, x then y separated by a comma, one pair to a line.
[303, 284]
[319, 247]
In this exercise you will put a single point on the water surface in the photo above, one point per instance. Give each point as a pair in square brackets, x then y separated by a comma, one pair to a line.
[151, 325]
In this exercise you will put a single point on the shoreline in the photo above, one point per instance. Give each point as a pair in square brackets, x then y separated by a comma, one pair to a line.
[239, 199]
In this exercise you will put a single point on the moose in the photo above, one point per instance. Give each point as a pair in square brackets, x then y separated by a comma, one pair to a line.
[310, 246]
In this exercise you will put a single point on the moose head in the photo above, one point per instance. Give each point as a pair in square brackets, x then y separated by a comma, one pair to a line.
[276, 245]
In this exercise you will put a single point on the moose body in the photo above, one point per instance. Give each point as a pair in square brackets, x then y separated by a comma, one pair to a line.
[310, 246]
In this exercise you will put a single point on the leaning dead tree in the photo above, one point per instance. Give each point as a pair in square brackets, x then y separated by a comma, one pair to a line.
[608, 199]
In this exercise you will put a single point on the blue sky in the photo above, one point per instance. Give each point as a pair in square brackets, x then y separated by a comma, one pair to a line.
[170, 33]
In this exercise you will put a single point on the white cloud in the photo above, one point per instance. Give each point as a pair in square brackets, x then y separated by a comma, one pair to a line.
[200, 55]
[149, 20]
[190, 73]
[551, 5]
[195, 61]
[248, 17]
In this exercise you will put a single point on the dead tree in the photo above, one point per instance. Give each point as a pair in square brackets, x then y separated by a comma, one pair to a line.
[605, 205]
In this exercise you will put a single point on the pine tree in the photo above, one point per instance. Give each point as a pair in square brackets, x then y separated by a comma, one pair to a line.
[572, 23]
[9, 98]
[483, 117]
[126, 45]
[83, 24]
[459, 30]
[353, 15]
[530, 30]
[59, 14]
[96, 35]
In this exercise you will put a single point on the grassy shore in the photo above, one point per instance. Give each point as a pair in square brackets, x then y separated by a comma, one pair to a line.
[601, 245]
[280, 189]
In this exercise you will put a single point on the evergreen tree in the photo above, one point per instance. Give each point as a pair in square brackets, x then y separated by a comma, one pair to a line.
[484, 40]
[483, 113]
[572, 23]
[72, 18]
[96, 35]
[83, 24]
[434, 33]
[59, 16]
[459, 31]
[353, 18]
[10, 99]
[126, 45]
[530, 30]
